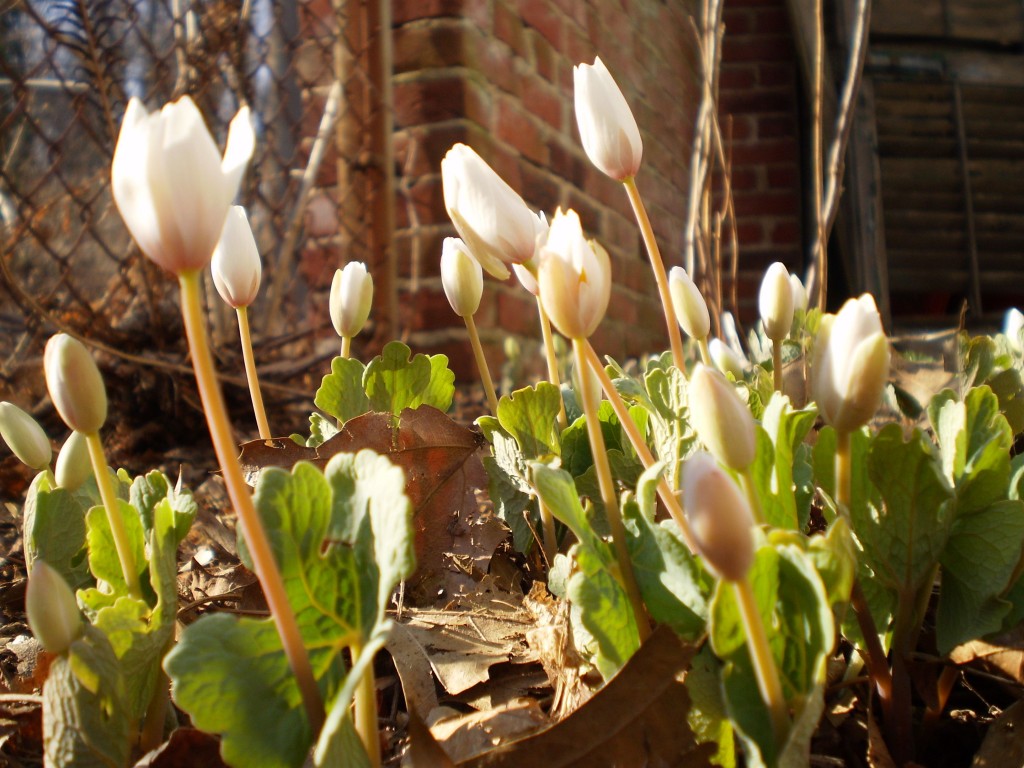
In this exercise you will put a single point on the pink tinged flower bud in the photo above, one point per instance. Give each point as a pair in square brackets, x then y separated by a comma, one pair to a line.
[351, 298]
[171, 184]
[53, 613]
[722, 421]
[574, 278]
[719, 516]
[462, 277]
[74, 466]
[490, 217]
[75, 384]
[851, 365]
[799, 293]
[776, 302]
[608, 130]
[236, 261]
[24, 437]
[726, 359]
[689, 305]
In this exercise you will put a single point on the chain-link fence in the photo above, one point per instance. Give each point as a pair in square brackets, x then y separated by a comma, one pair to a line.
[67, 70]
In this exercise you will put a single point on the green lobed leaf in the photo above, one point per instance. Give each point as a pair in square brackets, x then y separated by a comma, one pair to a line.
[1009, 388]
[776, 462]
[530, 416]
[103, 558]
[149, 490]
[54, 531]
[981, 556]
[320, 431]
[673, 438]
[396, 380]
[708, 718]
[341, 392]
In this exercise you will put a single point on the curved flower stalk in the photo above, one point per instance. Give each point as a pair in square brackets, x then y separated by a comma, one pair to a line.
[691, 310]
[236, 272]
[611, 139]
[25, 437]
[174, 189]
[463, 281]
[350, 303]
[575, 284]
[490, 217]
[775, 302]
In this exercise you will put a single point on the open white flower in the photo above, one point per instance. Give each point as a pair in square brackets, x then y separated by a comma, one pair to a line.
[461, 277]
[171, 184]
[851, 364]
[236, 261]
[574, 277]
[351, 299]
[608, 129]
[490, 217]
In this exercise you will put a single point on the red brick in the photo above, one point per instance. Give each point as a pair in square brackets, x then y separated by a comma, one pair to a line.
[517, 313]
[544, 57]
[772, 21]
[786, 233]
[426, 47]
[771, 75]
[425, 200]
[743, 179]
[403, 11]
[783, 177]
[508, 27]
[758, 100]
[419, 252]
[543, 101]
[433, 99]
[774, 126]
[756, 48]
[543, 17]
[737, 21]
[736, 77]
[767, 204]
[766, 152]
[540, 189]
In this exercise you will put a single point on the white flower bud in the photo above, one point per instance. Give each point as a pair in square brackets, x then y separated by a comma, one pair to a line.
[719, 516]
[776, 302]
[462, 277]
[73, 464]
[1013, 324]
[52, 610]
[351, 298]
[726, 359]
[689, 305]
[799, 293]
[722, 421]
[75, 384]
[24, 437]
[608, 130]
[236, 261]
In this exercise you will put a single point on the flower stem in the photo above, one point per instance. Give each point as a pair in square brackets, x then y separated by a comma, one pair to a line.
[658, 267]
[114, 518]
[552, 360]
[547, 525]
[366, 709]
[747, 483]
[248, 520]
[481, 364]
[844, 471]
[611, 505]
[346, 346]
[250, 373]
[705, 352]
[665, 493]
[777, 365]
[764, 663]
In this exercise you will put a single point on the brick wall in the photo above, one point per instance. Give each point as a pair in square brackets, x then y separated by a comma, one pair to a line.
[497, 75]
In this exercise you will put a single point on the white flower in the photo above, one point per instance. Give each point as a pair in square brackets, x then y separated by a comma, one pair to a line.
[527, 271]
[719, 517]
[574, 278]
[24, 437]
[236, 261]
[851, 364]
[351, 298]
[1013, 324]
[75, 384]
[490, 217]
[608, 129]
[689, 305]
[52, 611]
[171, 184]
[726, 359]
[462, 277]
[722, 421]
[799, 293]
[776, 302]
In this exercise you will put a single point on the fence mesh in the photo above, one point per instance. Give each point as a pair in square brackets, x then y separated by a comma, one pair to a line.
[67, 71]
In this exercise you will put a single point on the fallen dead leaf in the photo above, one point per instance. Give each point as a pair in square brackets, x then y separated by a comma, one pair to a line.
[464, 736]
[1003, 655]
[1003, 746]
[186, 748]
[413, 668]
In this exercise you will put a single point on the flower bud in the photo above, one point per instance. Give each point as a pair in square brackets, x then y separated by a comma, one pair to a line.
[351, 298]
[490, 217]
[799, 293]
[75, 384]
[171, 184]
[236, 261]
[851, 365]
[462, 277]
[24, 437]
[527, 271]
[689, 305]
[608, 130]
[1013, 324]
[74, 466]
[719, 517]
[722, 421]
[726, 359]
[776, 302]
[574, 278]
[52, 610]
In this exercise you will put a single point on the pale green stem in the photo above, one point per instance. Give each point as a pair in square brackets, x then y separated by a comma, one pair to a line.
[114, 518]
[346, 346]
[665, 493]
[658, 266]
[552, 360]
[607, 484]
[547, 525]
[366, 709]
[777, 365]
[705, 352]
[764, 663]
[844, 471]
[481, 364]
[248, 520]
[250, 373]
[750, 489]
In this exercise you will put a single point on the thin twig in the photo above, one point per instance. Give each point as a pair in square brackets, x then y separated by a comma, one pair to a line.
[820, 254]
